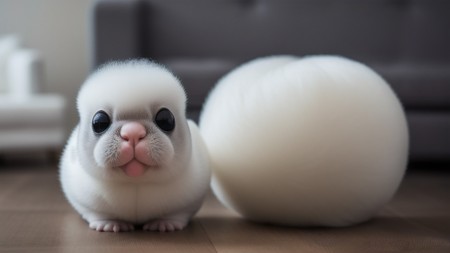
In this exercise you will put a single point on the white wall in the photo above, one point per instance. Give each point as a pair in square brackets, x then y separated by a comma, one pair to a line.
[59, 29]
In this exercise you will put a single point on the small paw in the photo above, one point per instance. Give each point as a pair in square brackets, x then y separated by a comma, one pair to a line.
[111, 226]
[164, 225]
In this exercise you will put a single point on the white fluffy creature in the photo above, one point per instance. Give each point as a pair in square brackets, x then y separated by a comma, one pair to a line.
[314, 141]
[134, 159]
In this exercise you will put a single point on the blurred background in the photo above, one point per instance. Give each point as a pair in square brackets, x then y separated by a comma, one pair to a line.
[59, 30]
[44, 57]
[48, 47]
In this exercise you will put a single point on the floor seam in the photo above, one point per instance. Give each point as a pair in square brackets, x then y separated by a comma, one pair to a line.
[207, 235]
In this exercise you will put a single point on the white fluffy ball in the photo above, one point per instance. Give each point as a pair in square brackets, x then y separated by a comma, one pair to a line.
[314, 141]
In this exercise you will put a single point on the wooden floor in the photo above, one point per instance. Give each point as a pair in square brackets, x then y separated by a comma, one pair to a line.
[35, 217]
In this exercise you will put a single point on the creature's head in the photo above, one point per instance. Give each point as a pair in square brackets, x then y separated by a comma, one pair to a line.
[132, 123]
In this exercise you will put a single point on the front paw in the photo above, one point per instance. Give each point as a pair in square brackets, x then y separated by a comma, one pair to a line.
[111, 226]
[164, 225]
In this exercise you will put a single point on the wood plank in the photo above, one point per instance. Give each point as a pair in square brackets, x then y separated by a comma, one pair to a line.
[35, 217]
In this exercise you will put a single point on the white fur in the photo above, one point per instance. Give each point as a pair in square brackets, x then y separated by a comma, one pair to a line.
[319, 141]
[164, 199]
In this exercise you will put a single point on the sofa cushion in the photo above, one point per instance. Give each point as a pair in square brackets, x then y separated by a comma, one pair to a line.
[430, 135]
[419, 86]
[38, 110]
[31, 138]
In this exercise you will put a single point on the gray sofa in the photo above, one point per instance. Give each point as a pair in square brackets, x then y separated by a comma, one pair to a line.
[406, 41]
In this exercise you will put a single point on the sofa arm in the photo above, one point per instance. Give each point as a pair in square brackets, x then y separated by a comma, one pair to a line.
[25, 73]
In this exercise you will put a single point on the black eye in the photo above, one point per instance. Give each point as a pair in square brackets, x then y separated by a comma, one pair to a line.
[100, 122]
[165, 120]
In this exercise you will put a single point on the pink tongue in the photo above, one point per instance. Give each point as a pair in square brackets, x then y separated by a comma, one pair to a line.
[134, 169]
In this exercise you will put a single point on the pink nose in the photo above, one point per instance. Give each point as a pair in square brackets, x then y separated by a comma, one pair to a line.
[133, 132]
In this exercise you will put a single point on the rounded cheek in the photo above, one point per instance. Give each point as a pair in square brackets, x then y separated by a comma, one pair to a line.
[161, 149]
[85, 148]
[99, 154]
[106, 151]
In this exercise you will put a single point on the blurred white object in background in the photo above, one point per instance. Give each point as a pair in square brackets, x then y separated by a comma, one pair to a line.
[8, 45]
[29, 119]
[24, 73]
